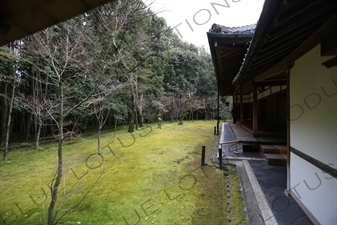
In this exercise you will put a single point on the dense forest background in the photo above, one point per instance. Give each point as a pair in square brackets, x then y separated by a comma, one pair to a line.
[118, 64]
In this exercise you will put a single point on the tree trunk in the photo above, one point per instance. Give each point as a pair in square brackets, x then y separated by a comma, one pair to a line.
[99, 140]
[140, 119]
[136, 118]
[115, 128]
[28, 122]
[101, 121]
[59, 172]
[131, 120]
[206, 116]
[4, 114]
[132, 112]
[181, 115]
[9, 122]
[171, 113]
[37, 141]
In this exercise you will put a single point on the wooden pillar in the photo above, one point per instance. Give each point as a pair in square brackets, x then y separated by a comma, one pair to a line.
[241, 104]
[218, 116]
[255, 111]
[288, 130]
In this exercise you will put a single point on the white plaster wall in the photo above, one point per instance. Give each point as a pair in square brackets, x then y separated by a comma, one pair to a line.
[315, 189]
[275, 89]
[313, 130]
[313, 113]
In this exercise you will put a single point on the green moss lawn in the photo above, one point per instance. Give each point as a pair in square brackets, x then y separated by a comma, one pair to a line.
[152, 176]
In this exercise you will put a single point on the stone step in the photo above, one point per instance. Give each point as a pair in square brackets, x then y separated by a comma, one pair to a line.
[284, 155]
[269, 149]
[275, 159]
[282, 149]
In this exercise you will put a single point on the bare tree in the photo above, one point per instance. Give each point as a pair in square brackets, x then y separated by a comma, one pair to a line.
[183, 101]
[10, 57]
[101, 105]
[195, 105]
[62, 58]
[129, 44]
[104, 30]
[36, 104]
[9, 120]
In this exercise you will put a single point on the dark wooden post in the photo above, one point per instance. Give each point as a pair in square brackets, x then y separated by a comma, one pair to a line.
[288, 129]
[203, 155]
[241, 104]
[255, 111]
[220, 157]
[218, 122]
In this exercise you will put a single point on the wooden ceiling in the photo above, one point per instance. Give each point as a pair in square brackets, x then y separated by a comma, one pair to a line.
[282, 29]
[20, 18]
[228, 50]
[295, 21]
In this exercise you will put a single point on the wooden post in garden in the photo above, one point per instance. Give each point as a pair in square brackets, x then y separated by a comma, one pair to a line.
[220, 157]
[203, 155]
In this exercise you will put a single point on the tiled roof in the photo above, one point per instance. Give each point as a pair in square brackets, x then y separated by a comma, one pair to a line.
[248, 29]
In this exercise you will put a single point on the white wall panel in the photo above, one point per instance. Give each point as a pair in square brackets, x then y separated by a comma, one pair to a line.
[313, 131]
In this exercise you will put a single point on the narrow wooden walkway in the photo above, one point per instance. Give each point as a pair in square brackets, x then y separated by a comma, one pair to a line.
[232, 147]
[244, 135]
[270, 145]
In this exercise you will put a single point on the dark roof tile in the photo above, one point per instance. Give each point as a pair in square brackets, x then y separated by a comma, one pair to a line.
[248, 29]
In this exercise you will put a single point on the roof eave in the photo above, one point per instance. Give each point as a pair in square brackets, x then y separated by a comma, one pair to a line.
[223, 88]
[268, 13]
[22, 18]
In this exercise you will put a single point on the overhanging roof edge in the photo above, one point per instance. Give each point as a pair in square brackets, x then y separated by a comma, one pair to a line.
[213, 50]
[269, 10]
[214, 58]
[229, 36]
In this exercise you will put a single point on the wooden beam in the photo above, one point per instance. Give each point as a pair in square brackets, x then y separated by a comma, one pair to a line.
[330, 63]
[271, 83]
[312, 41]
[294, 11]
[320, 165]
[276, 70]
[225, 47]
